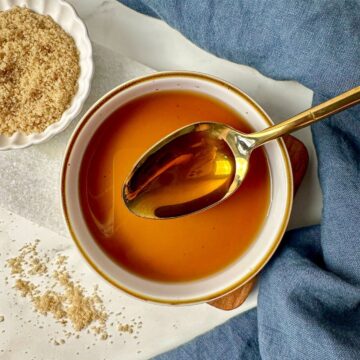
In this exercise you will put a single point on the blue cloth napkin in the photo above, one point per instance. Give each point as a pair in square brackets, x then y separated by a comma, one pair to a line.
[309, 298]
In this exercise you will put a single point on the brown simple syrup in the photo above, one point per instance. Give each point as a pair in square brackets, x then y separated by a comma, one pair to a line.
[180, 249]
[188, 174]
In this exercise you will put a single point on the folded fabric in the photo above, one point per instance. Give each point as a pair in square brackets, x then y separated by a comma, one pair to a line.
[309, 297]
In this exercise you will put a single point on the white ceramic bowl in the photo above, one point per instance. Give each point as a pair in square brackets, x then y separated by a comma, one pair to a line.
[236, 274]
[65, 15]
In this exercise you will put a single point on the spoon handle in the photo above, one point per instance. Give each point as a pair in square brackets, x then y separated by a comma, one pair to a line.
[316, 113]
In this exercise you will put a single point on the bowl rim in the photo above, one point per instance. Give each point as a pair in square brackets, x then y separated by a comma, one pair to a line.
[77, 102]
[217, 81]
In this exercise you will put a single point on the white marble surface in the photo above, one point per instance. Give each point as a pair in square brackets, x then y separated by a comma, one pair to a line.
[156, 45]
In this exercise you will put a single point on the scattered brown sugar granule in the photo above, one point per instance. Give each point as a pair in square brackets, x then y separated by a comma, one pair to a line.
[2, 318]
[24, 287]
[52, 291]
[37, 267]
[39, 69]
[126, 328]
[81, 310]
[50, 302]
[16, 265]
[61, 260]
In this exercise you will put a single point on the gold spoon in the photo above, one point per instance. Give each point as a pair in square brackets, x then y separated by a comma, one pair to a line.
[202, 164]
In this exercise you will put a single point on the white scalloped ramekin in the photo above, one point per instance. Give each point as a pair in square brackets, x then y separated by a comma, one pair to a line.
[65, 15]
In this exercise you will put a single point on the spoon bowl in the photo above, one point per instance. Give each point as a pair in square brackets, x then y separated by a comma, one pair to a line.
[192, 169]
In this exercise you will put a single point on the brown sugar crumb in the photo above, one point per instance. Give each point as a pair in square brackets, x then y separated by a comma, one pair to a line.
[16, 265]
[61, 260]
[96, 330]
[39, 69]
[37, 267]
[126, 328]
[81, 309]
[104, 336]
[2, 318]
[50, 302]
[24, 287]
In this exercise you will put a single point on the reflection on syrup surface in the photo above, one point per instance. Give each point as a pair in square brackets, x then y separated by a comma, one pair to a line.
[189, 173]
[179, 249]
